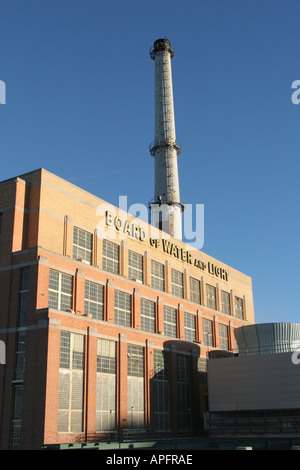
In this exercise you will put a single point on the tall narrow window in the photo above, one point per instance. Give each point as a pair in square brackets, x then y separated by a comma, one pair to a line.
[161, 390]
[17, 417]
[225, 298]
[135, 387]
[122, 308]
[177, 283]
[135, 266]
[110, 257]
[207, 332]
[211, 296]
[223, 335]
[184, 391]
[106, 385]
[1, 224]
[170, 321]
[147, 315]
[195, 290]
[93, 300]
[157, 276]
[60, 290]
[189, 327]
[70, 390]
[82, 245]
[239, 310]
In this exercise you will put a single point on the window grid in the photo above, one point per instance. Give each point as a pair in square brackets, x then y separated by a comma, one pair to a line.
[207, 332]
[189, 327]
[223, 336]
[157, 276]
[195, 295]
[135, 266]
[211, 296]
[225, 299]
[177, 283]
[122, 308]
[60, 290]
[239, 310]
[147, 315]
[106, 356]
[93, 300]
[170, 321]
[110, 257]
[82, 245]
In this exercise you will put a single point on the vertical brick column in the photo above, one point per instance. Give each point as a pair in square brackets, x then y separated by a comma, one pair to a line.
[122, 383]
[244, 308]
[147, 268]
[19, 214]
[160, 315]
[149, 388]
[123, 259]
[97, 250]
[231, 336]
[232, 304]
[91, 378]
[42, 283]
[52, 383]
[180, 322]
[216, 332]
[109, 301]
[68, 237]
[199, 327]
[168, 277]
[136, 310]
[218, 298]
[79, 292]
[203, 291]
[186, 285]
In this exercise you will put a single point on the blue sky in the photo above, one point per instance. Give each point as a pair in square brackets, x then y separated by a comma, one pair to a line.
[80, 103]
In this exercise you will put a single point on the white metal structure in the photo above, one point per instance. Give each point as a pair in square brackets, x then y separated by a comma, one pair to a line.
[166, 208]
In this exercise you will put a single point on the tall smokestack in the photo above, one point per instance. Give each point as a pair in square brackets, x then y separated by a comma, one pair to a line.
[166, 208]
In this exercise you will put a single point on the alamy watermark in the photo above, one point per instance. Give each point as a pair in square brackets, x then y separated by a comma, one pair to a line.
[295, 95]
[136, 221]
[2, 92]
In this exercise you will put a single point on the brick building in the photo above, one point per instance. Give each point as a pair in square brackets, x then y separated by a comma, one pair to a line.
[105, 329]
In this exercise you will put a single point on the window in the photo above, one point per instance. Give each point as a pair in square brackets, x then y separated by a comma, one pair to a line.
[82, 245]
[17, 417]
[23, 299]
[147, 315]
[70, 389]
[177, 283]
[60, 290]
[106, 385]
[135, 266]
[223, 335]
[207, 332]
[211, 296]
[93, 300]
[161, 390]
[195, 290]
[110, 257]
[157, 276]
[239, 310]
[170, 321]
[189, 327]
[184, 391]
[122, 308]
[225, 299]
[1, 215]
[135, 387]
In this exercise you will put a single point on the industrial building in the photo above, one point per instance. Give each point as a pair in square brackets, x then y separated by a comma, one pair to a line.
[107, 328]
[256, 392]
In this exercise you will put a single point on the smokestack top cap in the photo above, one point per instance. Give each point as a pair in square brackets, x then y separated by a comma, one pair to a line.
[161, 45]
